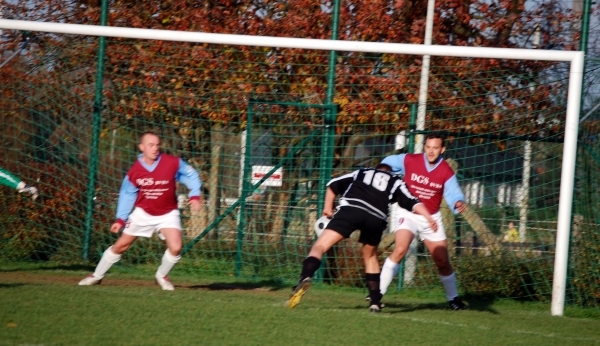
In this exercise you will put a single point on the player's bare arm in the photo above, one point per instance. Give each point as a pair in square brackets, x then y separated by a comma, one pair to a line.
[328, 206]
[196, 204]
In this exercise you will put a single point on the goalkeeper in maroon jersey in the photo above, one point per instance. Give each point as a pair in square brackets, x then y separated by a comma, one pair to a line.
[12, 181]
[429, 177]
[150, 189]
[364, 205]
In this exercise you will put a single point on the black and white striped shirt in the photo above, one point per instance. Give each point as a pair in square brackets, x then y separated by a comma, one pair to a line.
[372, 190]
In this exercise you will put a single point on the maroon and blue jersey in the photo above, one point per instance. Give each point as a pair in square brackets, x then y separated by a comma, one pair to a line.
[153, 188]
[426, 182]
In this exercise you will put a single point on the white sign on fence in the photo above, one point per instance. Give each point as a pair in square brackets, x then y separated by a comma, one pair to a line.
[259, 172]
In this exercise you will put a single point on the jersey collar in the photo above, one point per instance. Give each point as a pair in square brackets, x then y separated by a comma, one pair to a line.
[148, 167]
[429, 167]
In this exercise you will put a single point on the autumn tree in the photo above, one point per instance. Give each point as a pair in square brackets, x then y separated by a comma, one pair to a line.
[192, 90]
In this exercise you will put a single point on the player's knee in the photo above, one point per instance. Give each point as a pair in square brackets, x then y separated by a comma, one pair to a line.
[118, 249]
[440, 256]
[369, 251]
[398, 253]
[369, 257]
[175, 249]
[443, 263]
[321, 246]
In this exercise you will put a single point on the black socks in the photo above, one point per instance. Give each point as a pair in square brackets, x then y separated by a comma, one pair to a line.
[373, 285]
[309, 267]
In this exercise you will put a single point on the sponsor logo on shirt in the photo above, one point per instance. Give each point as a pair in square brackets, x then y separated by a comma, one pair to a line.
[421, 179]
[150, 182]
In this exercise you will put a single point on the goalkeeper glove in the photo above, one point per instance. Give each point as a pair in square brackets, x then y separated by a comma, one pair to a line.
[33, 191]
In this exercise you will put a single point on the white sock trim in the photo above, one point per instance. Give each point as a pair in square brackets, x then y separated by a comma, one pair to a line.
[449, 283]
[167, 263]
[111, 256]
[392, 265]
[169, 257]
[388, 272]
[108, 259]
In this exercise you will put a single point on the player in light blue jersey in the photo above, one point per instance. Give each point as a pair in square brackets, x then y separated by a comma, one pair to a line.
[149, 188]
[431, 179]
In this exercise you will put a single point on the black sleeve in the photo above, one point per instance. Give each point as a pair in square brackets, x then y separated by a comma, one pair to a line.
[404, 198]
[340, 184]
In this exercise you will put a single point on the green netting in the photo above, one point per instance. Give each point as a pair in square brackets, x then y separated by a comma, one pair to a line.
[227, 110]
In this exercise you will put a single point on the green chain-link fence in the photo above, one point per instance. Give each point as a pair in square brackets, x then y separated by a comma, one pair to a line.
[236, 113]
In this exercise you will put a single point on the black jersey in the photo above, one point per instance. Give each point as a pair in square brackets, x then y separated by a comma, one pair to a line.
[372, 190]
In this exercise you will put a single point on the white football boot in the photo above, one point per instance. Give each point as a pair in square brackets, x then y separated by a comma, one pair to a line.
[90, 280]
[165, 283]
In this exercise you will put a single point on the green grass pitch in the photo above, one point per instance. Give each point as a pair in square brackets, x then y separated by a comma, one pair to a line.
[42, 305]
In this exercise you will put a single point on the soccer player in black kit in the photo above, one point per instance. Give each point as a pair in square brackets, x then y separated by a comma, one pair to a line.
[366, 195]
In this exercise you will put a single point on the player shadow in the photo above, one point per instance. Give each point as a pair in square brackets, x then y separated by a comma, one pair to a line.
[270, 285]
[70, 267]
[483, 304]
[11, 285]
[479, 304]
[397, 308]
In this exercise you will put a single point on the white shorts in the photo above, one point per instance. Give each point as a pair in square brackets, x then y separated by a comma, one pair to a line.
[142, 224]
[419, 225]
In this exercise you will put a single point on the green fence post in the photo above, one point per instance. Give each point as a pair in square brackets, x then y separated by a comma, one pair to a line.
[96, 124]
[325, 161]
[327, 153]
[585, 25]
[246, 186]
[583, 46]
[412, 126]
[329, 131]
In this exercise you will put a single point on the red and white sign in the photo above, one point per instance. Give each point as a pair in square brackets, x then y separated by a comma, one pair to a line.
[259, 172]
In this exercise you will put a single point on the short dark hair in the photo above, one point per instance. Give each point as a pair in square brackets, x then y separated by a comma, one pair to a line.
[384, 167]
[148, 133]
[437, 135]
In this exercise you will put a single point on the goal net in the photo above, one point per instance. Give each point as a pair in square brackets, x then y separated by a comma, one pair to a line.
[253, 116]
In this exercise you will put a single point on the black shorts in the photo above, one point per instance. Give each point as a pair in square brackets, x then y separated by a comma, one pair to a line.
[349, 219]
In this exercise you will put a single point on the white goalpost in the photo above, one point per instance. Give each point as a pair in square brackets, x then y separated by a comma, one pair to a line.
[575, 58]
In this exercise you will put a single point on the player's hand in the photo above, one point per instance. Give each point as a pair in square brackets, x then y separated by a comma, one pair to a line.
[196, 204]
[328, 213]
[432, 224]
[31, 190]
[460, 206]
[116, 227]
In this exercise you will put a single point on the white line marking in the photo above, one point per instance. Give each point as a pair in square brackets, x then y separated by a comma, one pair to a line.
[481, 327]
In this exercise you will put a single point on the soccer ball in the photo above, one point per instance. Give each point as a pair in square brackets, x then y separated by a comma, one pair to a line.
[321, 224]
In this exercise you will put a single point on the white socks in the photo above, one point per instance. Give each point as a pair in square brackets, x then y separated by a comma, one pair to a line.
[390, 269]
[108, 259]
[168, 261]
[450, 286]
[388, 272]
